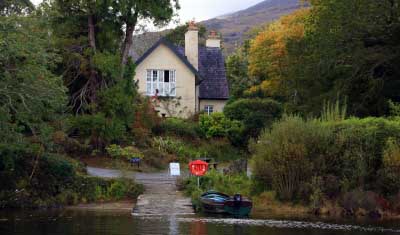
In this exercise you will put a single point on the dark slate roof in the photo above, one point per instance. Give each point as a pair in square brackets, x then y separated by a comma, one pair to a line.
[212, 70]
[211, 73]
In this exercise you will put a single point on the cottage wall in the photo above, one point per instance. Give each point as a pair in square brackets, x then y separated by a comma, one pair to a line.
[218, 105]
[163, 58]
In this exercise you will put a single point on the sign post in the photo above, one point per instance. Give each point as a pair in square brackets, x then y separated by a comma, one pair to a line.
[198, 168]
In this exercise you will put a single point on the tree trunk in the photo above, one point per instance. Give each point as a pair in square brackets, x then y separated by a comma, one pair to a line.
[93, 79]
[130, 28]
[91, 33]
[127, 43]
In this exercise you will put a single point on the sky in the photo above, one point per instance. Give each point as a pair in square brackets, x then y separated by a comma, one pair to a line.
[206, 9]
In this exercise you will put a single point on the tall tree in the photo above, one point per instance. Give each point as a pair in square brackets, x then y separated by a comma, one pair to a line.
[129, 12]
[18, 7]
[237, 71]
[345, 48]
[93, 35]
[269, 61]
[177, 35]
[32, 97]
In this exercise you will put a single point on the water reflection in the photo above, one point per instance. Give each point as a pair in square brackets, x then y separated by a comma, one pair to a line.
[198, 227]
[173, 225]
[122, 223]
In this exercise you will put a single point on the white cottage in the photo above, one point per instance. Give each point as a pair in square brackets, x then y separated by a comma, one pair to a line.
[184, 80]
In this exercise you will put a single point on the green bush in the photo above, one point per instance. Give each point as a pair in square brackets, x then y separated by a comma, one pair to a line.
[155, 158]
[284, 156]
[128, 152]
[389, 175]
[183, 150]
[98, 130]
[255, 114]
[217, 125]
[56, 181]
[220, 150]
[178, 127]
[118, 190]
[344, 155]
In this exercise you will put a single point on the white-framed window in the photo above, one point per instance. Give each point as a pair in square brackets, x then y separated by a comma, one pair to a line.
[161, 82]
[208, 109]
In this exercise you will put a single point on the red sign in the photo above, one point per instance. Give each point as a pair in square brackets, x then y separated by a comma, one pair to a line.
[198, 167]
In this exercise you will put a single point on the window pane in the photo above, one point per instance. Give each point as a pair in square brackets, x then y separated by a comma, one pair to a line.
[148, 88]
[161, 88]
[155, 75]
[172, 89]
[148, 75]
[166, 88]
[166, 76]
[172, 76]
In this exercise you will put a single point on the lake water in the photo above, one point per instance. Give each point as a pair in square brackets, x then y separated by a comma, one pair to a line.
[63, 222]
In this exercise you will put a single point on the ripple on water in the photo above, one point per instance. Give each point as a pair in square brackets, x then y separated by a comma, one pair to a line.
[290, 224]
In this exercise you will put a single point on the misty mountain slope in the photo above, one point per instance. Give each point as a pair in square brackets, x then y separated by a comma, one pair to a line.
[233, 27]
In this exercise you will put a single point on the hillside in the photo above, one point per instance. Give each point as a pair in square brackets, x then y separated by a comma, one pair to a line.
[233, 27]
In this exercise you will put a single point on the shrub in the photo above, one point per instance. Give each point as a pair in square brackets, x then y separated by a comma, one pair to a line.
[124, 152]
[146, 119]
[155, 158]
[178, 127]
[93, 188]
[182, 150]
[217, 125]
[344, 155]
[98, 130]
[255, 114]
[219, 150]
[117, 190]
[283, 156]
[391, 155]
[389, 175]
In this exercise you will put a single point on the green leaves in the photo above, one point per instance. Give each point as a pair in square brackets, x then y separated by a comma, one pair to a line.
[217, 125]
[346, 47]
[30, 94]
[15, 7]
[177, 35]
[255, 114]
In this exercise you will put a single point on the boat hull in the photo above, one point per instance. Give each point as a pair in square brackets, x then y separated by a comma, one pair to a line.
[241, 209]
[213, 202]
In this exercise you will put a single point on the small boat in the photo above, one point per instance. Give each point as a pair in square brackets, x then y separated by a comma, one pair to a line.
[215, 202]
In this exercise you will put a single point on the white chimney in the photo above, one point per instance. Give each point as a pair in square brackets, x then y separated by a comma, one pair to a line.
[192, 44]
[213, 40]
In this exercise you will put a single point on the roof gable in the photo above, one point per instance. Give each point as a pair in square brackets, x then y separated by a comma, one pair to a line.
[176, 52]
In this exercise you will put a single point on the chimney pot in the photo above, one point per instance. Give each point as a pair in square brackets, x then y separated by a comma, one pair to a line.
[213, 40]
[193, 25]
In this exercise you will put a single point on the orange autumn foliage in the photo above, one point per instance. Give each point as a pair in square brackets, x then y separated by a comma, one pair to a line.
[268, 57]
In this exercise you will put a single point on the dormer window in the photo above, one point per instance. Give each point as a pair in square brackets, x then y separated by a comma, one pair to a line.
[161, 82]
